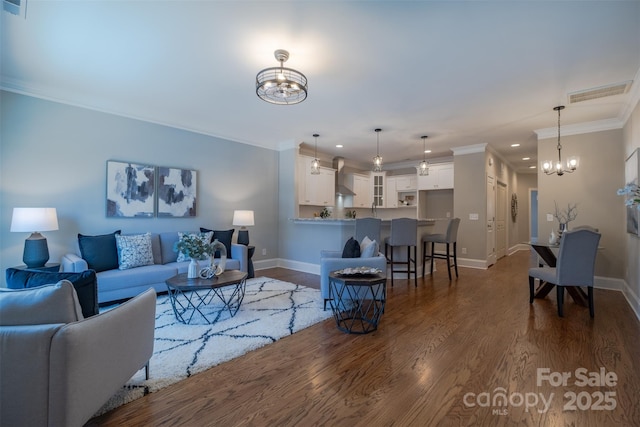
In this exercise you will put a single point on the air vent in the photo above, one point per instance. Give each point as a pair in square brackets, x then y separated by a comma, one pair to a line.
[600, 92]
[12, 6]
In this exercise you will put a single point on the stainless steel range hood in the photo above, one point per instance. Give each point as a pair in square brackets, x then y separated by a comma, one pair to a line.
[341, 188]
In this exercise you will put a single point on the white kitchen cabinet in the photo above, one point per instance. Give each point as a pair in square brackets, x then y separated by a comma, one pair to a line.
[315, 190]
[378, 190]
[406, 182]
[401, 191]
[392, 193]
[361, 185]
[440, 177]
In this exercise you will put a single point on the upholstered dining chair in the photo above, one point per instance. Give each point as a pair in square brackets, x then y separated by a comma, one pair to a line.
[404, 232]
[368, 227]
[574, 267]
[450, 239]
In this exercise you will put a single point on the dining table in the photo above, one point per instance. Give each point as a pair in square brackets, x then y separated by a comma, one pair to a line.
[547, 252]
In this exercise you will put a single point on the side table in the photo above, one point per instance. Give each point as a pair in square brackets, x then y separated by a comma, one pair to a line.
[250, 272]
[52, 267]
[357, 302]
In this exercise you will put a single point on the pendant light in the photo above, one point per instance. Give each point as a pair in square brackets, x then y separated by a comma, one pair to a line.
[377, 160]
[423, 168]
[549, 167]
[315, 163]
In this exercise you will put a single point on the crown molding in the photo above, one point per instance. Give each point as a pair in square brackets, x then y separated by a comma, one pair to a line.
[581, 128]
[469, 149]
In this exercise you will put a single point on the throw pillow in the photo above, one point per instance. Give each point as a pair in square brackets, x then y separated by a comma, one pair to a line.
[204, 236]
[85, 284]
[351, 249]
[100, 252]
[368, 248]
[224, 237]
[134, 250]
[55, 303]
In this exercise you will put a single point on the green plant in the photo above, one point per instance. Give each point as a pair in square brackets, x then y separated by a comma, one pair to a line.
[325, 213]
[193, 246]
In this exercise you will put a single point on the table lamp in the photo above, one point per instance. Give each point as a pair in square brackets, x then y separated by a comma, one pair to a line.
[34, 220]
[243, 219]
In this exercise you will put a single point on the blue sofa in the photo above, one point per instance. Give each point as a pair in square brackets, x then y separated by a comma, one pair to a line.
[116, 284]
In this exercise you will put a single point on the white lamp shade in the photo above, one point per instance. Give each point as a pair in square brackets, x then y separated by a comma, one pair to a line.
[34, 219]
[243, 218]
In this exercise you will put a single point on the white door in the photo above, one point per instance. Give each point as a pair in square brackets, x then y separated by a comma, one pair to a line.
[501, 221]
[491, 219]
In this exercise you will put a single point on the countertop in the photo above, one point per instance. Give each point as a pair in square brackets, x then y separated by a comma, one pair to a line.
[350, 221]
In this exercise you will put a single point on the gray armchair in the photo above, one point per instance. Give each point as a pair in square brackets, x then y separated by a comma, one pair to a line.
[575, 266]
[332, 261]
[58, 368]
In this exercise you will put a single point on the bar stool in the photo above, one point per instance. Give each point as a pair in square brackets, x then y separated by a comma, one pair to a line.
[404, 232]
[450, 237]
[368, 227]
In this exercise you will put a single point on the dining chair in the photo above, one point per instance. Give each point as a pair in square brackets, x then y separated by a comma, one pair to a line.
[449, 238]
[574, 267]
[368, 227]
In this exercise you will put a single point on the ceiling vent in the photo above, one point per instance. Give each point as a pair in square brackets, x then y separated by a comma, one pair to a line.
[600, 92]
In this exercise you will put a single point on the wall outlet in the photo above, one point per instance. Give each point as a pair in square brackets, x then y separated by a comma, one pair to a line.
[473, 216]
[448, 214]
[550, 217]
[464, 251]
[264, 251]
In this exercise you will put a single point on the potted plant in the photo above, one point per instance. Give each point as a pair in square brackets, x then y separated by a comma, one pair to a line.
[196, 248]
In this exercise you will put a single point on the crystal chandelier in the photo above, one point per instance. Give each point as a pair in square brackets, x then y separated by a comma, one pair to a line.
[377, 160]
[315, 163]
[280, 85]
[549, 167]
[423, 168]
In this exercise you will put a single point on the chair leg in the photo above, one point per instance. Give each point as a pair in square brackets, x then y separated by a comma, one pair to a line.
[146, 371]
[391, 265]
[448, 263]
[591, 308]
[424, 256]
[560, 300]
[408, 262]
[433, 245]
[455, 257]
[415, 266]
[531, 283]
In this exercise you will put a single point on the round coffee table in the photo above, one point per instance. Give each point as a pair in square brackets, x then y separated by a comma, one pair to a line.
[210, 299]
[357, 302]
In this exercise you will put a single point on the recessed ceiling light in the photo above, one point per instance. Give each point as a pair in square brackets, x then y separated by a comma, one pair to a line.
[515, 145]
[532, 167]
[526, 158]
[339, 145]
[427, 151]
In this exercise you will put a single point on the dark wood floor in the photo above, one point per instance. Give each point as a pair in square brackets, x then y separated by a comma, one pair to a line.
[444, 351]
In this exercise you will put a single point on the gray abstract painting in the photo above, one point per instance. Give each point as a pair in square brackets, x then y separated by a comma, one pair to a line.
[130, 190]
[176, 192]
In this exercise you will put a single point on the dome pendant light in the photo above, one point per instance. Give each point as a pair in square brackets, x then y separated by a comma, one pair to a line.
[280, 85]
[423, 168]
[377, 160]
[549, 167]
[315, 163]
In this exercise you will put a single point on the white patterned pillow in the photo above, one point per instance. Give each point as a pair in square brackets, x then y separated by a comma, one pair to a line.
[205, 237]
[134, 250]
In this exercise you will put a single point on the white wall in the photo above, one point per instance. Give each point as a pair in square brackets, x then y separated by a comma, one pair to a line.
[54, 155]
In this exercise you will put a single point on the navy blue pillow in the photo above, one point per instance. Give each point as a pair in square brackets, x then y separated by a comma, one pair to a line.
[224, 237]
[100, 252]
[351, 249]
[85, 284]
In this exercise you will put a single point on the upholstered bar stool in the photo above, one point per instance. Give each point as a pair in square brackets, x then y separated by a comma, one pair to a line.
[368, 227]
[449, 238]
[404, 232]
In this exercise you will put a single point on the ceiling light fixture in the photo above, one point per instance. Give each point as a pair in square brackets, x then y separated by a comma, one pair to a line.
[377, 160]
[280, 85]
[423, 168]
[548, 166]
[315, 163]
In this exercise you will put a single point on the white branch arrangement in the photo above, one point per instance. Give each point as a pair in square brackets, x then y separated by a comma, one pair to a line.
[569, 214]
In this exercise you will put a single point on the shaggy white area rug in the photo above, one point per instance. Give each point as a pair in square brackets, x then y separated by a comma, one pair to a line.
[271, 309]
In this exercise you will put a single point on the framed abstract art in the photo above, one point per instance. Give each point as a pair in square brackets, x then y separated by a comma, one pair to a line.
[130, 190]
[176, 192]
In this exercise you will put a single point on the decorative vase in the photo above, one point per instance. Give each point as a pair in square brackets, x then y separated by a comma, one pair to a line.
[553, 239]
[193, 270]
[562, 227]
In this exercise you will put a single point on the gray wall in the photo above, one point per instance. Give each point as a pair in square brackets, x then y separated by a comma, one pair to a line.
[55, 155]
[593, 188]
[470, 196]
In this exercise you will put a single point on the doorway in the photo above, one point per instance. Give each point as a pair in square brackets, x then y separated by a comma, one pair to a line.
[533, 214]
[491, 219]
[501, 221]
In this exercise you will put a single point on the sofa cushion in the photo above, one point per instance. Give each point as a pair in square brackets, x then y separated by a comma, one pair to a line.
[56, 303]
[204, 236]
[100, 252]
[84, 283]
[224, 237]
[351, 249]
[134, 250]
[167, 241]
[368, 248]
[142, 276]
[155, 247]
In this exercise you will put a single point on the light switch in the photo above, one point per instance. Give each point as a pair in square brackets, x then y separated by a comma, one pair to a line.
[550, 217]
[473, 216]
